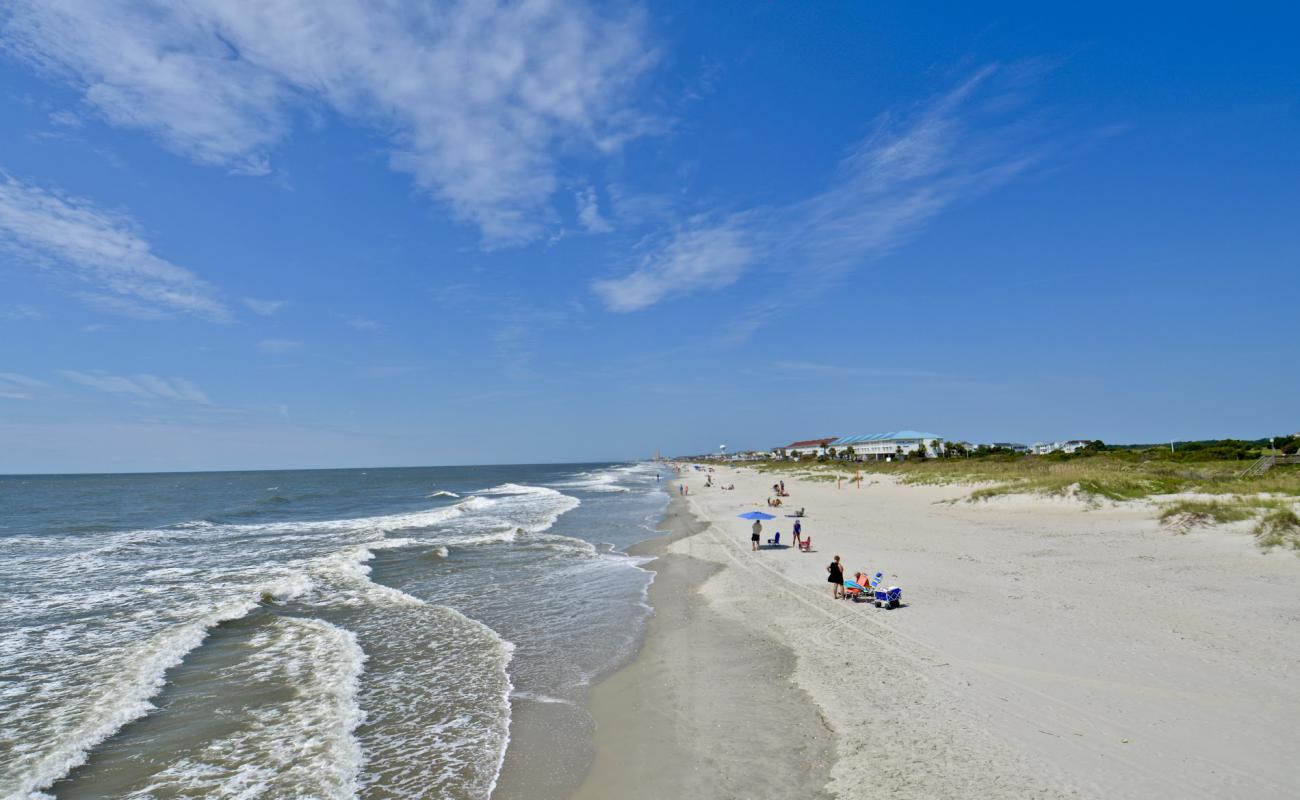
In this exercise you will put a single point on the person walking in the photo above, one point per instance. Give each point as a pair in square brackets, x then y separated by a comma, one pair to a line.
[836, 577]
[758, 534]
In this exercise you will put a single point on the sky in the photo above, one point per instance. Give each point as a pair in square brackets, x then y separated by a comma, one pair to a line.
[287, 234]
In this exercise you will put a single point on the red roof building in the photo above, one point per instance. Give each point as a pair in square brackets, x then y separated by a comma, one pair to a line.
[810, 444]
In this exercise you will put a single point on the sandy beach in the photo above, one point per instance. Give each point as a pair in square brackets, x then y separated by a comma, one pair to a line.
[1045, 648]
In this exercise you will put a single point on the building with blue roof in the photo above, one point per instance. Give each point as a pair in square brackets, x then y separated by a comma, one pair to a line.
[887, 446]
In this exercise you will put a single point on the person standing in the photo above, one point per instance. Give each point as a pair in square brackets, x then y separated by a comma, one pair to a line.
[836, 577]
[798, 529]
[757, 534]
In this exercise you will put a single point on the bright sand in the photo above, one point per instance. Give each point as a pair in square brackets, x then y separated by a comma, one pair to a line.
[1045, 649]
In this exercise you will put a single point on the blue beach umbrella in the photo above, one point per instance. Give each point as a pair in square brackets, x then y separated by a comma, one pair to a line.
[756, 515]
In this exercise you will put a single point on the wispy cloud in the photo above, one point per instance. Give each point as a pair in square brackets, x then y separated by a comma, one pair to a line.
[101, 250]
[958, 145]
[589, 215]
[66, 119]
[21, 313]
[265, 308]
[701, 256]
[278, 346]
[841, 371]
[474, 95]
[361, 323]
[15, 386]
[141, 388]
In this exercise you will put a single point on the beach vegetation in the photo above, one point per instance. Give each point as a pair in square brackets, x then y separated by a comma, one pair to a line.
[1279, 528]
[1188, 491]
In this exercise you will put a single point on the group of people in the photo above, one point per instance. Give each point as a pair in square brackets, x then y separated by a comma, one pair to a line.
[834, 570]
[835, 577]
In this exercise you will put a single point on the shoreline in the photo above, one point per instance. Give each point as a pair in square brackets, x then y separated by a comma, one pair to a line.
[706, 707]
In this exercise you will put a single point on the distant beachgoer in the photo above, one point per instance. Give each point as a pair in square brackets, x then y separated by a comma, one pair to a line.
[783, 487]
[756, 535]
[798, 529]
[836, 577]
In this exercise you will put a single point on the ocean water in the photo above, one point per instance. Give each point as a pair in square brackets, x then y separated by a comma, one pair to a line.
[322, 634]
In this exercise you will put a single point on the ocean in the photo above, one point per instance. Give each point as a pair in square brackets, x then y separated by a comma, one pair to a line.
[323, 633]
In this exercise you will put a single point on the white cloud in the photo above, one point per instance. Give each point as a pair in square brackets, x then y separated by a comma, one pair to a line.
[361, 323]
[21, 313]
[474, 95]
[141, 388]
[701, 257]
[66, 119]
[14, 386]
[264, 307]
[100, 250]
[589, 211]
[954, 147]
[25, 382]
[278, 346]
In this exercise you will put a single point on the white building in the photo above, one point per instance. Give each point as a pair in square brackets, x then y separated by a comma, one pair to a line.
[1071, 446]
[888, 445]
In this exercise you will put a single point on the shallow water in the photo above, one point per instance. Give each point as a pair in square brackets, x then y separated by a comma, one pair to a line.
[309, 634]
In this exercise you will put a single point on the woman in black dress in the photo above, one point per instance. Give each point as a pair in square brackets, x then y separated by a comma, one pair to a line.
[836, 570]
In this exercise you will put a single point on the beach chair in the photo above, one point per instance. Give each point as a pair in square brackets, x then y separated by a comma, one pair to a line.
[775, 541]
[805, 544]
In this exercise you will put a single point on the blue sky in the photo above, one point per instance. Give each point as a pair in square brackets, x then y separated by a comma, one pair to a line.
[275, 235]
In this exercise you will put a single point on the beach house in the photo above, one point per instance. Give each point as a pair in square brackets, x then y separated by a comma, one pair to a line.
[1072, 446]
[886, 446]
[806, 448]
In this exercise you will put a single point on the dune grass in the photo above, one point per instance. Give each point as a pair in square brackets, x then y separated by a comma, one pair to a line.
[1270, 499]
[1279, 528]
[1100, 476]
[1186, 513]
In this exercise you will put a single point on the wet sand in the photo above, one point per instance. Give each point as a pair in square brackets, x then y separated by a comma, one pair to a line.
[708, 707]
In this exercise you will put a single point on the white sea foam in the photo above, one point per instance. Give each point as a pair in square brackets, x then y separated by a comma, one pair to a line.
[119, 693]
[301, 746]
[93, 622]
[603, 481]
